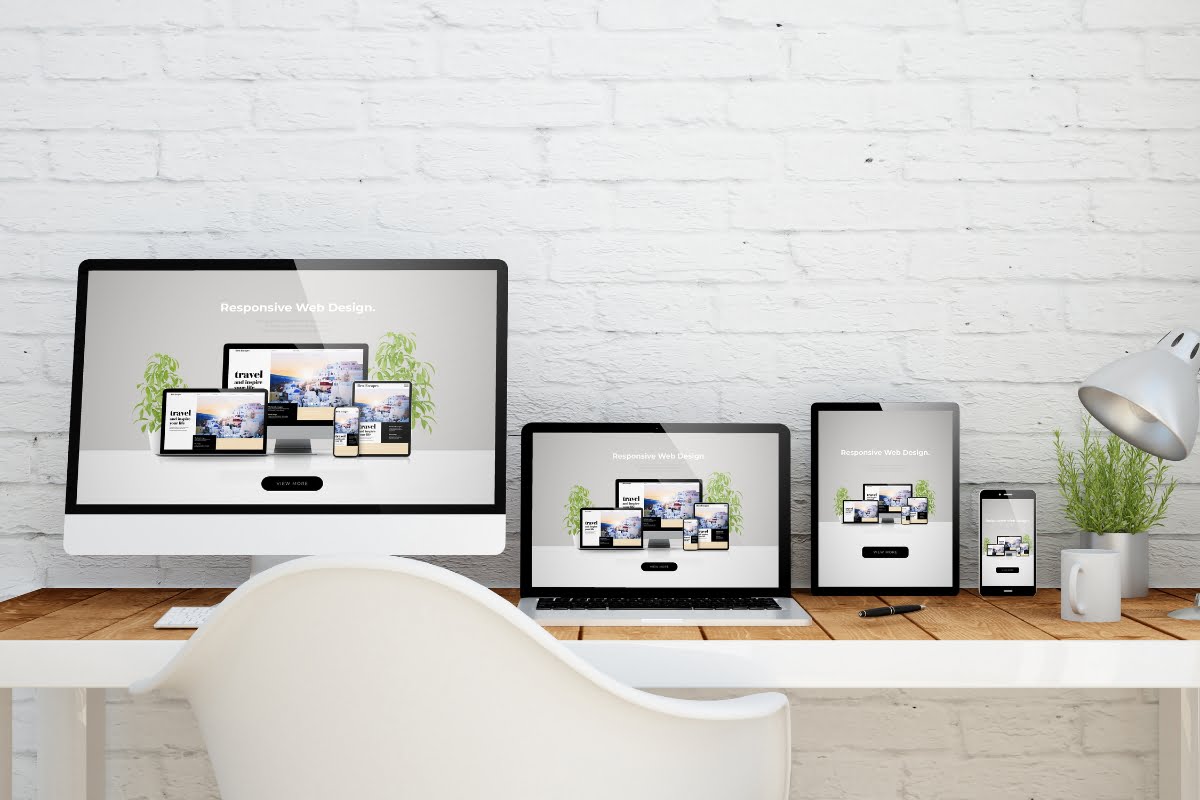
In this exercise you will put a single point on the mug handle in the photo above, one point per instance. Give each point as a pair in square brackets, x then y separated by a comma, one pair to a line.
[1073, 588]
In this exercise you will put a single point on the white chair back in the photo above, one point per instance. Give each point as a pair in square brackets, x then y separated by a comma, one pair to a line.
[374, 677]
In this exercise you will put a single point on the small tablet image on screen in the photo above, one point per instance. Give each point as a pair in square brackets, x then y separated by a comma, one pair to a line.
[858, 511]
[609, 528]
[918, 510]
[214, 422]
[384, 417]
[713, 518]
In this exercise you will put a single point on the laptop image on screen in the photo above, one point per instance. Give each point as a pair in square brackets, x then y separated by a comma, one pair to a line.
[626, 524]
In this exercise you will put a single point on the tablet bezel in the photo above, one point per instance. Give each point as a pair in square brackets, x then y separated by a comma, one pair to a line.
[814, 477]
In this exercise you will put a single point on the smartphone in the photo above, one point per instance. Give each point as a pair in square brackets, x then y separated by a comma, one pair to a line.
[691, 534]
[345, 431]
[1007, 542]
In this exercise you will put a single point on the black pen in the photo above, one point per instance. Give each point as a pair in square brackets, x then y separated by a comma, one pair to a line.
[887, 611]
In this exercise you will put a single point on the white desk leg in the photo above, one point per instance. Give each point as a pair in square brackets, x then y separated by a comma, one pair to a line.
[70, 753]
[6, 745]
[1179, 744]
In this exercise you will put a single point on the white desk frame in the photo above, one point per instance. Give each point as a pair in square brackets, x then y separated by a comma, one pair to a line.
[71, 677]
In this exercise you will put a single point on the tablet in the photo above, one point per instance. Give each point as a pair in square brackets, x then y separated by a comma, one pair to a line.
[609, 528]
[214, 422]
[902, 455]
[384, 417]
[713, 523]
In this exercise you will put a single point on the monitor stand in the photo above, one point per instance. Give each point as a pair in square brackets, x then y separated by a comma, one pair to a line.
[660, 543]
[293, 447]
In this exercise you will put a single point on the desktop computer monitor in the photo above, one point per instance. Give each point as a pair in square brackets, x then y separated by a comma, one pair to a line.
[205, 394]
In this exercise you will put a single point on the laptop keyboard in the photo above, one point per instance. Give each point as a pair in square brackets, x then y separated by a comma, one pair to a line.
[657, 604]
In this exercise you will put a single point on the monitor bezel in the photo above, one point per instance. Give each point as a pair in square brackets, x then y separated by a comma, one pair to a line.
[783, 578]
[497, 506]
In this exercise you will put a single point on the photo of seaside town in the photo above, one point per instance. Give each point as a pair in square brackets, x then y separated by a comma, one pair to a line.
[620, 525]
[391, 402]
[225, 417]
[315, 378]
[670, 500]
[713, 517]
[345, 426]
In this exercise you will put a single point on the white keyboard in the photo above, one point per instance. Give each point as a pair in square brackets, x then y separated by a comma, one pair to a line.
[185, 617]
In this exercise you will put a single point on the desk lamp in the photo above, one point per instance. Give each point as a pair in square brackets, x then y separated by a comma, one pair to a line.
[1149, 399]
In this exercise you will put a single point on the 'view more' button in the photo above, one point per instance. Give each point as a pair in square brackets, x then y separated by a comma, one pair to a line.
[292, 483]
[885, 552]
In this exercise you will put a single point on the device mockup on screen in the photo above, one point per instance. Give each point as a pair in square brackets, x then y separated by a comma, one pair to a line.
[608, 528]
[345, 432]
[901, 456]
[300, 334]
[656, 472]
[228, 422]
[384, 417]
[665, 503]
[304, 382]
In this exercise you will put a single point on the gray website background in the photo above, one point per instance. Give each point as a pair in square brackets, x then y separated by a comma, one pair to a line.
[131, 315]
[562, 460]
[876, 430]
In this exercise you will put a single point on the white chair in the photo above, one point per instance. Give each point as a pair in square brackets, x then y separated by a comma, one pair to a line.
[375, 677]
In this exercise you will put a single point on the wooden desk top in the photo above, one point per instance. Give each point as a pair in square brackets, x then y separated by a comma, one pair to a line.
[129, 614]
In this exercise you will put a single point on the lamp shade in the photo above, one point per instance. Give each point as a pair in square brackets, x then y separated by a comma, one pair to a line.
[1150, 399]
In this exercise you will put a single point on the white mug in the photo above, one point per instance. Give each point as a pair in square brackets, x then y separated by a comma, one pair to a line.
[1091, 585]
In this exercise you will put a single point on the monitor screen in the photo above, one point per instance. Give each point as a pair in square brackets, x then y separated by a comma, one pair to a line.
[425, 336]
[725, 484]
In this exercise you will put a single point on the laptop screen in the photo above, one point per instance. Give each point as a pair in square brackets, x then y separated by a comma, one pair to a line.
[653, 510]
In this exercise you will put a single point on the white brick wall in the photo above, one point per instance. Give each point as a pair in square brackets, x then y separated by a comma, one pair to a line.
[1024, 170]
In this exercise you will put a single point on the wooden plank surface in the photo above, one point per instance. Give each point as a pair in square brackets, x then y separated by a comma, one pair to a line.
[1042, 611]
[141, 624]
[764, 632]
[88, 616]
[838, 617]
[966, 616]
[1153, 609]
[131, 613]
[28, 607]
[643, 632]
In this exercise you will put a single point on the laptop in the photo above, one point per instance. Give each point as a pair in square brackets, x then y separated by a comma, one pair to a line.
[657, 524]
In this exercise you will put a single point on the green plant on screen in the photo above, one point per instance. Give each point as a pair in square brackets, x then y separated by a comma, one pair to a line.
[923, 489]
[162, 372]
[394, 361]
[719, 489]
[579, 498]
[1109, 485]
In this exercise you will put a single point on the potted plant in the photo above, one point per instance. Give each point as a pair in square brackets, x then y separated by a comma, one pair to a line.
[841, 497]
[162, 372]
[579, 499]
[719, 489]
[1115, 493]
[395, 361]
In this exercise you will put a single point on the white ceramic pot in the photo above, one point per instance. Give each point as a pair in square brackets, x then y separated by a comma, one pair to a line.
[1134, 549]
[155, 442]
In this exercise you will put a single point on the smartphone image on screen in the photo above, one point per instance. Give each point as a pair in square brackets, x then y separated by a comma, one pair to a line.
[345, 431]
[691, 534]
[1007, 542]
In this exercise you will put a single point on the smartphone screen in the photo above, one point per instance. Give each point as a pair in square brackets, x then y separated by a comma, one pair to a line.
[345, 431]
[1007, 541]
[691, 536]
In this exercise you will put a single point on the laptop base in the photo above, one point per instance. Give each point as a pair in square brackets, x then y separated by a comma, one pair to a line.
[789, 613]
